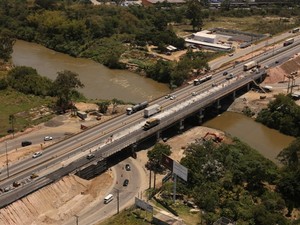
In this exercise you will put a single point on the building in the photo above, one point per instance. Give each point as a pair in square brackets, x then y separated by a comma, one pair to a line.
[205, 39]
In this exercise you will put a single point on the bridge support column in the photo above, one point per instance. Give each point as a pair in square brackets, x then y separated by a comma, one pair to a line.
[200, 116]
[248, 86]
[158, 133]
[234, 95]
[181, 125]
[218, 106]
[133, 152]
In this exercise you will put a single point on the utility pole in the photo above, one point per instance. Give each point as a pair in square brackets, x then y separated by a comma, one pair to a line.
[6, 159]
[76, 219]
[118, 200]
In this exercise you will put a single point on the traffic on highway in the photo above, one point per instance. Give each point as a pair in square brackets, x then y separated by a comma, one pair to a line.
[106, 139]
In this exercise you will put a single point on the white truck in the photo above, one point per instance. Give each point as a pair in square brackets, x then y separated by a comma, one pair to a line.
[151, 110]
[250, 65]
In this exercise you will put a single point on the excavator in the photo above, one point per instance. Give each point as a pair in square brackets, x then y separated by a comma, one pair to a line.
[215, 137]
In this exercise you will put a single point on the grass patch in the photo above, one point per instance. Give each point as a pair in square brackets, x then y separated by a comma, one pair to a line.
[188, 217]
[20, 105]
[129, 217]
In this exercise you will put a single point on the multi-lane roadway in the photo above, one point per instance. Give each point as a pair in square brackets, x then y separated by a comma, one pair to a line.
[101, 139]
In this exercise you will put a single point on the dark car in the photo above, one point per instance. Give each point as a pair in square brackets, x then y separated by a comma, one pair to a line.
[126, 182]
[225, 73]
[90, 156]
[127, 167]
[26, 143]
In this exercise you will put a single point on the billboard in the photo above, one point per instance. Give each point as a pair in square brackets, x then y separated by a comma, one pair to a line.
[180, 170]
[144, 205]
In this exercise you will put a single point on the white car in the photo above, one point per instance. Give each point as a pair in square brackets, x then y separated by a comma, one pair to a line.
[37, 154]
[172, 97]
[48, 138]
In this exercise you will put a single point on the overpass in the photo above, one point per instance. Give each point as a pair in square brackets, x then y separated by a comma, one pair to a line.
[69, 156]
[132, 136]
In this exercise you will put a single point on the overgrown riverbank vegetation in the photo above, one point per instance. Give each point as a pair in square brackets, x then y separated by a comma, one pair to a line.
[114, 35]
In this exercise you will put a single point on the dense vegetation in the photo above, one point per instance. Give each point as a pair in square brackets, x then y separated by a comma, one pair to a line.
[108, 32]
[234, 181]
[282, 114]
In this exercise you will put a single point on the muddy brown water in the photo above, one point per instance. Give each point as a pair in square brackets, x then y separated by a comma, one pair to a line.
[100, 82]
[267, 141]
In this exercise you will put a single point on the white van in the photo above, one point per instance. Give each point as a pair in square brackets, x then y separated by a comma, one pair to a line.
[108, 198]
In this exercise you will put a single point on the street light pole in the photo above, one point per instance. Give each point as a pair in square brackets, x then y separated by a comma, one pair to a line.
[118, 199]
[76, 219]
[6, 159]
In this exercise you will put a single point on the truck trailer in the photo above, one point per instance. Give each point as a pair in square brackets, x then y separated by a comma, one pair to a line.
[250, 65]
[152, 122]
[136, 108]
[151, 110]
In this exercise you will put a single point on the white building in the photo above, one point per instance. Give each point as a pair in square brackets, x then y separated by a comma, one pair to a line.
[205, 36]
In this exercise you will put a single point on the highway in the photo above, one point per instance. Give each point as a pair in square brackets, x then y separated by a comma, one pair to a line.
[102, 139]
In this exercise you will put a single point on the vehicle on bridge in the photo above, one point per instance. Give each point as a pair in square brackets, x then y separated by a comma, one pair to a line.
[152, 122]
[151, 110]
[288, 41]
[250, 65]
[136, 108]
[202, 79]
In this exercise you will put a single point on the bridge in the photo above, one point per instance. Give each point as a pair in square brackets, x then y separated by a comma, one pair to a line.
[125, 131]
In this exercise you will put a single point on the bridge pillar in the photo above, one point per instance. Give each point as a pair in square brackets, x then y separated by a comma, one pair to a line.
[218, 106]
[200, 116]
[234, 95]
[181, 124]
[158, 133]
[133, 150]
[248, 86]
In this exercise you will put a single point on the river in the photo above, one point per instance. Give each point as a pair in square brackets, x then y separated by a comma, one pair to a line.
[267, 141]
[103, 83]
[100, 82]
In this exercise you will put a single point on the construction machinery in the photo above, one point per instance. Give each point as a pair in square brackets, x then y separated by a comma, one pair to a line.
[215, 138]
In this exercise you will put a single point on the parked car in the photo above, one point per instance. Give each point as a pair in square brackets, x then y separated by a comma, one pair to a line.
[127, 167]
[225, 73]
[126, 182]
[48, 138]
[36, 154]
[90, 156]
[26, 143]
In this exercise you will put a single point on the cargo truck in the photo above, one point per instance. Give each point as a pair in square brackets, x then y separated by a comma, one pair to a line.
[250, 65]
[288, 42]
[151, 110]
[136, 108]
[152, 122]
[202, 79]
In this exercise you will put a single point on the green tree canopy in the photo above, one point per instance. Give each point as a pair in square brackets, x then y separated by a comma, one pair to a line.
[64, 86]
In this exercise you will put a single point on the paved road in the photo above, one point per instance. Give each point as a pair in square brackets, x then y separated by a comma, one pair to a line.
[215, 64]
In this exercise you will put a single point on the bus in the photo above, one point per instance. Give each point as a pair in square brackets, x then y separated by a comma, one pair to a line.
[288, 41]
[108, 198]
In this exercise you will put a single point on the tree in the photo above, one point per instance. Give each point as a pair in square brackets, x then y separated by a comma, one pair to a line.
[194, 14]
[290, 156]
[103, 106]
[64, 85]
[6, 46]
[155, 157]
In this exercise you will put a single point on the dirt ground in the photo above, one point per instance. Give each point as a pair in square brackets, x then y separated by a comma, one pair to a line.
[58, 202]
